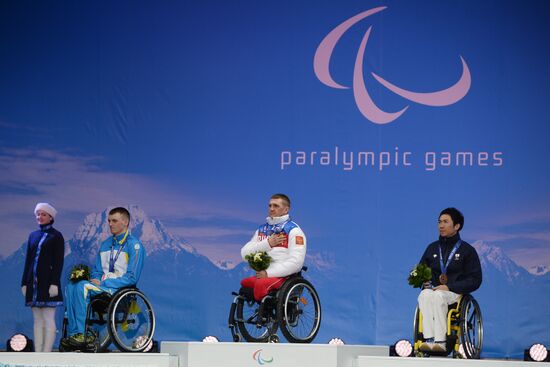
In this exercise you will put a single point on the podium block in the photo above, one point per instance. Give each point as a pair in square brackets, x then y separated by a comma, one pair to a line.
[197, 354]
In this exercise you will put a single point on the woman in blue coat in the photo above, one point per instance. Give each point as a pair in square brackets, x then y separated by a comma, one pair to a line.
[41, 281]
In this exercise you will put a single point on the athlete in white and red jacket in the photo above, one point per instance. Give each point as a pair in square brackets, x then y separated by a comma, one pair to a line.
[283, 240]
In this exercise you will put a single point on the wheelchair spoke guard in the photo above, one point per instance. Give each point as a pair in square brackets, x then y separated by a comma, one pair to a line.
[299, 311]
[132, 321]
[252, 327]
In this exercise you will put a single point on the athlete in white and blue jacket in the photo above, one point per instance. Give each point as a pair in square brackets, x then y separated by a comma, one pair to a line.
[118, 264]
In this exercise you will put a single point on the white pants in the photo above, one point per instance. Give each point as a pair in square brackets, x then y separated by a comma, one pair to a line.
[44, 328]
[434, 306]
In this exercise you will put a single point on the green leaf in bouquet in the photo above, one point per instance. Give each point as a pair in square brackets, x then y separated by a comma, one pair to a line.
[420, 275]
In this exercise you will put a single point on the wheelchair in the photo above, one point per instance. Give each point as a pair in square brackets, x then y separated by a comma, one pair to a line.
[464, 330]
[294, 308]
[125, 318]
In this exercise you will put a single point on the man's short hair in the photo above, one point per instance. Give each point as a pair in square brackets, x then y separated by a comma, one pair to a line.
[285, 198]
[122, 211]
[455, 215]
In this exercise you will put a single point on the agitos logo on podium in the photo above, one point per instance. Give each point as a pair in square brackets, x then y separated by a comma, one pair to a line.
[257, 356]
[363, 100]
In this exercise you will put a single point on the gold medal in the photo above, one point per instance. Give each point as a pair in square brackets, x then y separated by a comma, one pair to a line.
[443, 279]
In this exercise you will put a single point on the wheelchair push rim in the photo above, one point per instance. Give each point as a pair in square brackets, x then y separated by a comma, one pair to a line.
[131, 321]
[471, 329]
[250, 327]
[299, 311]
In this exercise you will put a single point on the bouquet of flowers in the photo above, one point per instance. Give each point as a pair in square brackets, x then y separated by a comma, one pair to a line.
[420, 275]
[80, 272]
[258, 260]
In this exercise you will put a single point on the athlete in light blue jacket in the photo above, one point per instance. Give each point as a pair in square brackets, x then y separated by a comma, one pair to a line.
[118, 265]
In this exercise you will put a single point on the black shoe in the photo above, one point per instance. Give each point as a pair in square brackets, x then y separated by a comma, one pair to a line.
[64, 345]
[79, 342]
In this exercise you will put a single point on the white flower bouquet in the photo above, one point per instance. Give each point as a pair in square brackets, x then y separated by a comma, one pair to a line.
[258, 260]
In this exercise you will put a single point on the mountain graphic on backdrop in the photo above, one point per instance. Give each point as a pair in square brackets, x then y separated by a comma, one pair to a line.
[493, 257]
[151, 232]
[191, 294]
[539, 269]
[509, 296]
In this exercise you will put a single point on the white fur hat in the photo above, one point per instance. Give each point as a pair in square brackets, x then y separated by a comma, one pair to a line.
[47, 208]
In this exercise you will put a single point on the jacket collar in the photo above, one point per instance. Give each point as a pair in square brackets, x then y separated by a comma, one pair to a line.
[449, 241]
[277, 220]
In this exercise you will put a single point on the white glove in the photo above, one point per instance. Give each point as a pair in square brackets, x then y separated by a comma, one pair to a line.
[53, 291]
[24, 290]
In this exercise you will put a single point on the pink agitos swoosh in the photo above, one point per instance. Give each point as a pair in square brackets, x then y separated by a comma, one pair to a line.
[321, 66]
[362, 98]
[443, 97]
[321, 60]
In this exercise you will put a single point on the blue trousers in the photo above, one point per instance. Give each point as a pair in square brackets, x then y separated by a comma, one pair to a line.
[77, 298]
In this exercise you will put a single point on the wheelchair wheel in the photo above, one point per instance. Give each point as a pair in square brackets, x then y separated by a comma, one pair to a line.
[252, 329]
[299, 311]
[131, 321]
[471, 327]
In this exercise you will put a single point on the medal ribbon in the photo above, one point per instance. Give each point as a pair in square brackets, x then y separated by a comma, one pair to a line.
[112, 260]
[444, 266]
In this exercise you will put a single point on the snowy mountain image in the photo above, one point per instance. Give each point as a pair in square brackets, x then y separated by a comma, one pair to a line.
[508, 297]
[191, 294]
[225, 264]
[493, 257]
[539, 269]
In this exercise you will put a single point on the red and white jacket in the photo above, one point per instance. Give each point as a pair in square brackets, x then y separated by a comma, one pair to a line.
[288, 257]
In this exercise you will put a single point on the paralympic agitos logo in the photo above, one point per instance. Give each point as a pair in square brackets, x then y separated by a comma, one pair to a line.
[363, 100]
[257, 356]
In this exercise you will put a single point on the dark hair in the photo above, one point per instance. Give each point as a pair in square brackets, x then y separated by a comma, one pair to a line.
[122, 211]
[455, 215]
[285, 198]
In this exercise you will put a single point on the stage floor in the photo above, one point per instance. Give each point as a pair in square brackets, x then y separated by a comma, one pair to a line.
[197, 354]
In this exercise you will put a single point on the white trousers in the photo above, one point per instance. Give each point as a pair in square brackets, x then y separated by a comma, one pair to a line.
[434, 306]
[44, 328]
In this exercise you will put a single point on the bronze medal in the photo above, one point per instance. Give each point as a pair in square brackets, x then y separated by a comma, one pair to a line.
[443, 279]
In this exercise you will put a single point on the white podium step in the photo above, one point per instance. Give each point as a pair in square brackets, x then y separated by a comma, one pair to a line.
[197, 354]
[371, 361]
[88, 359]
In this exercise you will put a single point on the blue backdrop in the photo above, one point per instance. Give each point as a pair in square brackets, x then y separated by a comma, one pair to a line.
[192, 113]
